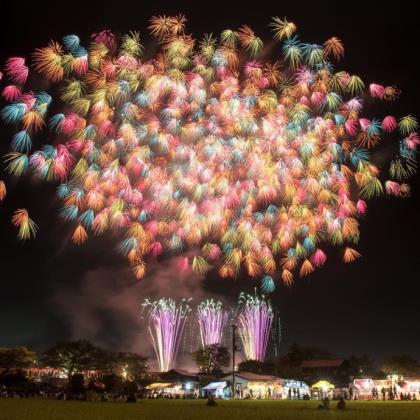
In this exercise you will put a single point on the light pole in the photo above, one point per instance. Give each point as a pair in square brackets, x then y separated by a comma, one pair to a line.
[234, 349]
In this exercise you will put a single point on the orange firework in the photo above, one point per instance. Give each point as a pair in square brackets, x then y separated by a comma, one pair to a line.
[3, 190]
[334, 47]
[27, 227]
[350, 255]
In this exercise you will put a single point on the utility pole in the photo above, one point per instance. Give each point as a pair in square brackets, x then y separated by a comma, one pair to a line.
[234, 349]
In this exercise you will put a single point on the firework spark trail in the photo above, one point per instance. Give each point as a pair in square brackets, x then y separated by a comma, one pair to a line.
[27, 228]
[256, 167]
[255, 319]
[166, 325]
[212, 321]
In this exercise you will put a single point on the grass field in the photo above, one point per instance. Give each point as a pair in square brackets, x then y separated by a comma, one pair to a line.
[28, 409]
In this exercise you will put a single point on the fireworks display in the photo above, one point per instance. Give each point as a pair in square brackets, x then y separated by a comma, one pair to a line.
[166, 319]
[212, 321]
[254, 319]
[255, 166]
[27, 227]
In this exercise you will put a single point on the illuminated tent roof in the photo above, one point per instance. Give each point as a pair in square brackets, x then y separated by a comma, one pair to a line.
[293, 383]
[214, 385]
[159, 385]
[323, 384]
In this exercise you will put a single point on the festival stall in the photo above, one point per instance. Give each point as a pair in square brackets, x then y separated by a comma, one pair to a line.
[160, 389]
[216, 389]
[364, 389]
[322, 389]
[410, 387]
[294, 390]
[255, 386]
[383, 386]
[394, 387]
[171, 390]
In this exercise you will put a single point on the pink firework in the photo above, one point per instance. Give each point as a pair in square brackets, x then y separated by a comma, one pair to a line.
[212, 321]
[255, 319]
[166, 324]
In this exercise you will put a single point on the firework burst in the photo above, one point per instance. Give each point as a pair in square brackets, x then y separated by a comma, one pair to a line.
[255, 319]
[212, 321]
[166, 320]
[254, 166]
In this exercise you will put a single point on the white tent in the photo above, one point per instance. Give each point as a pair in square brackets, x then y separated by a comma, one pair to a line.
[215, 385]
[255, 386]
[294, 389]
[215, 389]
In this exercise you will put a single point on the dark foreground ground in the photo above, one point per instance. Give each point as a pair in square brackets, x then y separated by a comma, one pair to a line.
[36, 409]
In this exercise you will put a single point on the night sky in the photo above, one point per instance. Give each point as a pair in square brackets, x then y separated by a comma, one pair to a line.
[52, 289]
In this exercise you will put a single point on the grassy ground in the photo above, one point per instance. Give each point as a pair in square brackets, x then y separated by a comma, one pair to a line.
[24, 409]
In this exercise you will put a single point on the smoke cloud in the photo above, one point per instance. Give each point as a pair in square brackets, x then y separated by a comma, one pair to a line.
[105, 306]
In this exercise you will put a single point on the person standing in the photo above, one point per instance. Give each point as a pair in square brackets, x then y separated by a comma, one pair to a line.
[341, 405]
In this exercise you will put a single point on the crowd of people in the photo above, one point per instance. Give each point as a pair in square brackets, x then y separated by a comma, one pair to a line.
[55, 393]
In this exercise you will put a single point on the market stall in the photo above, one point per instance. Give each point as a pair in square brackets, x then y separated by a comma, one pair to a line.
[294, 390]
[216, 389]
[364, 389]
[409, 388]
[255, 386]
[322, 389]
[171, 390]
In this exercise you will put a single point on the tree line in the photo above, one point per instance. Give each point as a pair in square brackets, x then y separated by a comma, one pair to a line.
[119, 371]
[78, 357]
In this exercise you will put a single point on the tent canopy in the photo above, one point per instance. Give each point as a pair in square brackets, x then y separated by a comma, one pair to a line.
[292, 383]
[160, 385]
[323, 384]
[214, 385]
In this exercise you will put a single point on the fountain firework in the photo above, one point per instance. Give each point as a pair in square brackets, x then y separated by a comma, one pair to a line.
[255, 319]
[166, 323]
[212, 321]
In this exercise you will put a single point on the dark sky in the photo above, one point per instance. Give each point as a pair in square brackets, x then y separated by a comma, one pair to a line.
[53, 290]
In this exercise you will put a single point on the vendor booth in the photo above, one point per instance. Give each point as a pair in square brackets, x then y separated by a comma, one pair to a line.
[294, 390]
[384, 386]
[410, 386]
[216, 389]
[322, 389]
[395, 388]
[171, 390]
[364, 389]
[255, 386]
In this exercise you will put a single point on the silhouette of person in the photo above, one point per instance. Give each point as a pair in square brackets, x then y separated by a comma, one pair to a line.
[341, 405]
